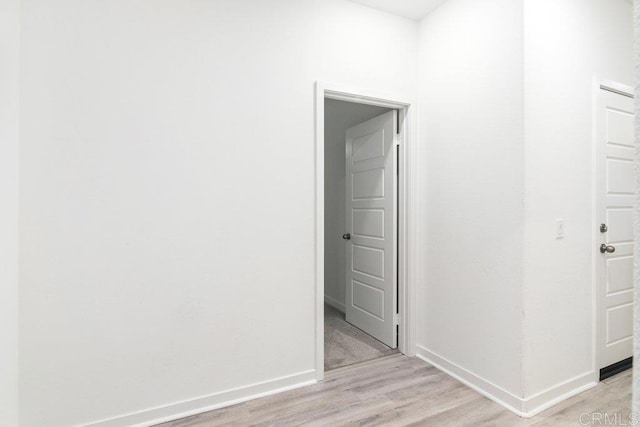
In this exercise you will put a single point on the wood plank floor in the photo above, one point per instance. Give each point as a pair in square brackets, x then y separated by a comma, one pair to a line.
[344, 344]
[399, 391]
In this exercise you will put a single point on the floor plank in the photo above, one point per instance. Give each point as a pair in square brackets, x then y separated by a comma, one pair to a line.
[344, 344]
[398, 391]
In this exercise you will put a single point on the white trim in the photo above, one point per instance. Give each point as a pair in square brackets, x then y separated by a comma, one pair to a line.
[334, 303]
[553, 395]
[408, 207]
[364, 96]
[198, 405]
[523, 407]
[616, 87]
[595, 305]
[408, 227]
[486, 388]
[319, 237]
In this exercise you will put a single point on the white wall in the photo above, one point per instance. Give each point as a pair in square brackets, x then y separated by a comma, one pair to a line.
[167, 205]
[338, 117]
[471, 187]
[566, 44]
[155, 132]
[9, 88]
[506, 123]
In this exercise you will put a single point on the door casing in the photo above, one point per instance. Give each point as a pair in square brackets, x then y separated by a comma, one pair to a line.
[407, 205]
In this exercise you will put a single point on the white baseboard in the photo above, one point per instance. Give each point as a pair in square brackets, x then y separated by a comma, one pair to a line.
[473, 381]
[523, 407]
[334, 303]
[198, 405]
[553, 395]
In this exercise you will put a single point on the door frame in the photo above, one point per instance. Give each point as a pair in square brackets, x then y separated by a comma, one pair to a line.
[598, 319]
[407, 205]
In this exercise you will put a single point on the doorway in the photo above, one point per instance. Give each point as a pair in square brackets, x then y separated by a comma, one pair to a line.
[615, 201]
[364, 273]
[360, 211]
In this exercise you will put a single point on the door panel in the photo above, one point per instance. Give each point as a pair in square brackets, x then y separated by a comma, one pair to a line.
[368, 298]
[368, 223]
[368, 147]
[620, 320]
[368, 185]
[370, 217]
[620, 223]
[620, 128]
[369, 261]
[619, 176]
[615, 199]
[618, 272]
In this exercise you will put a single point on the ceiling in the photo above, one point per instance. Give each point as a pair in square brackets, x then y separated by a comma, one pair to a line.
[413, 9]
[343, 115]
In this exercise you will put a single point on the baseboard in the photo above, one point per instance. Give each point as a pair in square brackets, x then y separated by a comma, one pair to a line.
[334, 303]
[523, 407]
[198, 405]
[553, 395]
[486, 388]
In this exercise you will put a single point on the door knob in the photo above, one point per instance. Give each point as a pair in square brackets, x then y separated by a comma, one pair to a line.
[346, 236]
[605, 248]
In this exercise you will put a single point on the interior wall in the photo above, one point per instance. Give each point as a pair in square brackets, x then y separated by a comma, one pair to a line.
[9, 89]
[567, 44]
[338, 117]
[167, 204]
[139, 120]
[471, 192]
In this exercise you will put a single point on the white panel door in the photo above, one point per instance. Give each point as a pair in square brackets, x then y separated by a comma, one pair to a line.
[371, 178]
[615, 199]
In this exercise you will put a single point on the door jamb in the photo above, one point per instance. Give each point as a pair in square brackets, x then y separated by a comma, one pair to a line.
[407, 218]
[598, 332]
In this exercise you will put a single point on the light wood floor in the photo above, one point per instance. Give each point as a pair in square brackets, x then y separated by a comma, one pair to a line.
[398, 391]
[344, 344]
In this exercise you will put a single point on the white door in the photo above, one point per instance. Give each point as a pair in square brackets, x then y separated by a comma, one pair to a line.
[615, 200]
[371, 178]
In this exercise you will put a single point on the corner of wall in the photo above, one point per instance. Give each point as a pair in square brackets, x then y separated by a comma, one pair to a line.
[334, 303]
[527, 407]
[543, 400]
[486, 388]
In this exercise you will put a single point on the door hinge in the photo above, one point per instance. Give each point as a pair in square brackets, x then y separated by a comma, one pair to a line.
[396, 318]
